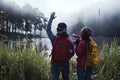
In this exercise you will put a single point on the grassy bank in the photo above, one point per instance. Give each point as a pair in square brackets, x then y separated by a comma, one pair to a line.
[109, 65]
[22, 65]
[27, 64]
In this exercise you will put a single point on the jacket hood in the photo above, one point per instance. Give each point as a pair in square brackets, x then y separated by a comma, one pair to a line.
[63, 33]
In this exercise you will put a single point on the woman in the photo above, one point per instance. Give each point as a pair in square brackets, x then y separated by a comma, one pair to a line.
[83, 72]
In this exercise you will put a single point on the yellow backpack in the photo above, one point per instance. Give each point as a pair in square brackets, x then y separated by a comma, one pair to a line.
[92, 57]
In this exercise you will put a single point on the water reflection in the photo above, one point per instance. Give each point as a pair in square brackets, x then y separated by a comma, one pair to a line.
[45, 46]
[41, 44]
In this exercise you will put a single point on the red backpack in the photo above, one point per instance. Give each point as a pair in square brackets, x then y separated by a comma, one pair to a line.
[61, 49]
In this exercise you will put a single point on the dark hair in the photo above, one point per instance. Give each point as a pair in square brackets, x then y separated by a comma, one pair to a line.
[61, 26]
[86, 32]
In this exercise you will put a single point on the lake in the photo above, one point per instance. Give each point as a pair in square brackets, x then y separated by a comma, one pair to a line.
[44, 44]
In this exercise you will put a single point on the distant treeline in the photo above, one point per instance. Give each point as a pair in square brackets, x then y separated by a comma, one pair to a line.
[18, 20]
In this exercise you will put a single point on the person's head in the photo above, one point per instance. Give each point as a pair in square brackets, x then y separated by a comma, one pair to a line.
[62, 30]
[61, 26]
[86, 32]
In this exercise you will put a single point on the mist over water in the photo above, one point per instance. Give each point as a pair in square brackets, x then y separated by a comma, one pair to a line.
[90, 14]
[87, 12]
[102, 16]
[108, 8]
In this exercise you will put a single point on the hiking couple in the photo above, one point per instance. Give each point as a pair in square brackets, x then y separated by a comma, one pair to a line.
[63, 50]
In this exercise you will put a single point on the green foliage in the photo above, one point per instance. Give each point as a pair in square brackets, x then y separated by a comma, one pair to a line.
[73, 71]
[27, 64]
[109, 65]
[22, 65]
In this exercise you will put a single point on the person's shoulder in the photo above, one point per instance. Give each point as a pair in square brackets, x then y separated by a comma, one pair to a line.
[82, 42]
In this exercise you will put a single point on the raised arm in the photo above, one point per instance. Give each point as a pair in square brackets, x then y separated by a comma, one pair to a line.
[48, 30]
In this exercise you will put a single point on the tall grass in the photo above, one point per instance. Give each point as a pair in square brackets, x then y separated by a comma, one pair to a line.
[109, 65]
[27, 64]
[22, 65]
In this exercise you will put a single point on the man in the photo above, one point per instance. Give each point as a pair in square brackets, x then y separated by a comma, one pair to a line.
[62, 51]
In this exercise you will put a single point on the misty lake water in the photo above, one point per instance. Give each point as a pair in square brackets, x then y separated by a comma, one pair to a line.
[44, 44]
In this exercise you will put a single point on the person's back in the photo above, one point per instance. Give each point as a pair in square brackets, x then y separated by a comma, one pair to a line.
[84, 71]
[62, 50]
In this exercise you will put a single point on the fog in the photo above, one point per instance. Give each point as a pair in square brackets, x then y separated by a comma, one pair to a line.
[108, 8]
[70, 12]
[13, 8]
[102, 16]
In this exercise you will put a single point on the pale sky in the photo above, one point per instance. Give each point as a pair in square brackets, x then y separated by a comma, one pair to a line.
[69, 10]
[61, 7]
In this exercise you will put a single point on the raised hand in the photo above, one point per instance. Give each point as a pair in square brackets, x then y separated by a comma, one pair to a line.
[53, 15]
